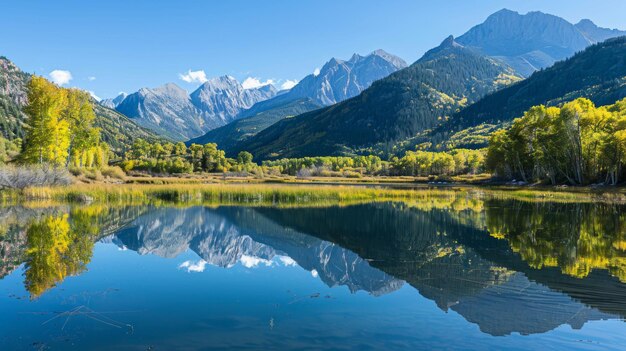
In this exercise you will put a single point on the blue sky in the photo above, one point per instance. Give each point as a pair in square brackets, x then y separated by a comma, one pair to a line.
[113, 46]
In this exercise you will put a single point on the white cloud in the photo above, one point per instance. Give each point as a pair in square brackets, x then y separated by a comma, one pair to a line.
[60, 77]
[193, 266]
[194, 76]
[93, 95]
[287, 261]
[91, 78]
[252, 262]
[288, 84]
[316, 72]
[252, 82]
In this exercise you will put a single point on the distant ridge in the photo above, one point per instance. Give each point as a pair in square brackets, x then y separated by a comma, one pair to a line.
[169, 110]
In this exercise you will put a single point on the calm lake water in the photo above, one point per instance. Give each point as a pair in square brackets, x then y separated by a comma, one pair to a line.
[453, 274]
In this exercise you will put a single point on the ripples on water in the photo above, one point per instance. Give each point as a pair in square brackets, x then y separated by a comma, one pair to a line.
[454, 273]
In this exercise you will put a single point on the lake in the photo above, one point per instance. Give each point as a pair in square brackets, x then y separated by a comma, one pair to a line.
[451, 273]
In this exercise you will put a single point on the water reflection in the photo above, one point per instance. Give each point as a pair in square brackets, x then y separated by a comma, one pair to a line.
[507, 266]
[54, 243]
[228, 235]
[578, 238]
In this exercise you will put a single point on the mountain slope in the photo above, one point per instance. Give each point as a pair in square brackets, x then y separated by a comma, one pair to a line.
[12, 97]
[169, 110]
[229, 135]
[598, 73]
[393, 108]
[222, 99]
[532, 41]
[339, 80]
[597, 34]
[119, 131]
[116, 129]
[114, 102]
[336, 81]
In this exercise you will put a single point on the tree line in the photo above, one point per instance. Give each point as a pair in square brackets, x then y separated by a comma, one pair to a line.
[176, 158]
[577, 143]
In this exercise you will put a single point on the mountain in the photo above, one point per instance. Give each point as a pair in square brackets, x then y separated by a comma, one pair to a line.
[224, 98]
[169, 110]
[12, 97]
[597, 34]
[336, 81]
[409, 101]
[598, 73]
[120, 131]
[228, 136]
[339, 80]
[532, 41]
[116, 129]
[114, 102]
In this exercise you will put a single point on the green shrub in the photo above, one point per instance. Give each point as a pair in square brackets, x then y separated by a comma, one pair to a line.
[113, 172]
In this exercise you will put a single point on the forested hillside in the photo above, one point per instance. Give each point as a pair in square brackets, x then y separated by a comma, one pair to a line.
[597, 73]
[117, 130]
[228, 136]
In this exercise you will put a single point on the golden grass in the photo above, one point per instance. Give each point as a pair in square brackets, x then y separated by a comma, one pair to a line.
[221, 193]
[278, 194]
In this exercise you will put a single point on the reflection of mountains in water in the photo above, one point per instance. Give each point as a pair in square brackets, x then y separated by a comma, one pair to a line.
[452, 260]
[448, 256]
[227, 235]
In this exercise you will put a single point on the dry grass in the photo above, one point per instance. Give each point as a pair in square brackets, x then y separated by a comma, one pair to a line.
[231, 193]
[20, 177]
[278, 194]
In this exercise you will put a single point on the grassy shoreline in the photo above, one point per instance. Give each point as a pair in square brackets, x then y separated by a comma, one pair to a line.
[315, 193]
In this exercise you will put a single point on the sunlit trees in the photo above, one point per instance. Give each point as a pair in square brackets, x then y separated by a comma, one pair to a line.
[175, 158]
[47, 136]
[577, 143]
[454, 162]
[213, 159]
[80, 117]
[328, 165]
[61, 130]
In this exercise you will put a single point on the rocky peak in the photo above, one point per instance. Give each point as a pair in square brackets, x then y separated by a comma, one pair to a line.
[447, 46]
[527, 42]
[449, 42]
[114, 102]
[171, 90]
[393, 59]
[597, 34]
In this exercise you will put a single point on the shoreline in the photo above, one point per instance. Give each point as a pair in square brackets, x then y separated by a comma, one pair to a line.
[327, 191]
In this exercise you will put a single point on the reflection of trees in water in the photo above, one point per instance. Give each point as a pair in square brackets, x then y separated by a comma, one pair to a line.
[448, 256]
[577, 238]
[464, 253]
[54, 243]
[56, 249]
